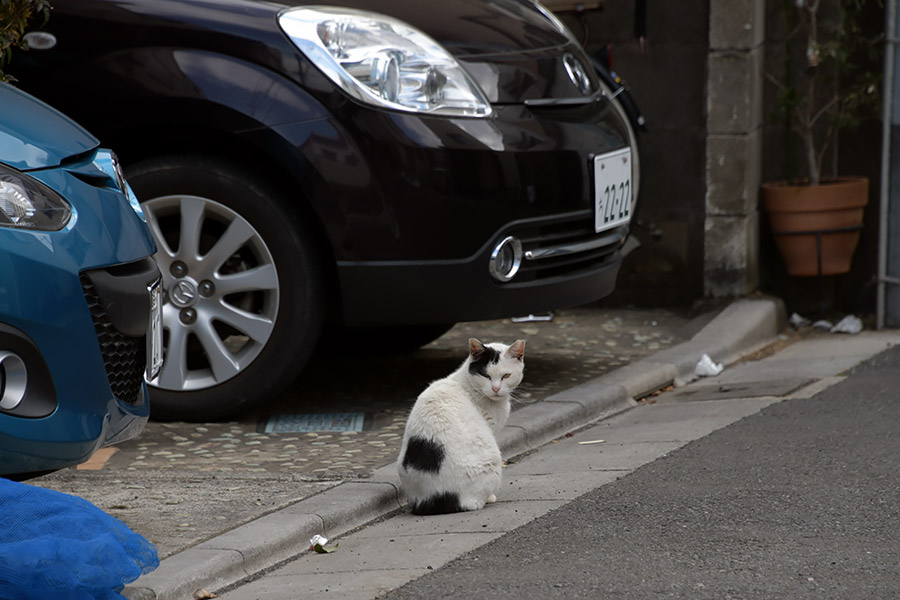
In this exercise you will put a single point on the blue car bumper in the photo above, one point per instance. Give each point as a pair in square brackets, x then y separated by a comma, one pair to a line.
[74, 310]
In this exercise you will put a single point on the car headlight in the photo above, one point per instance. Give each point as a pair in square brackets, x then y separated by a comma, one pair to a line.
[383, 61]
[27, 203]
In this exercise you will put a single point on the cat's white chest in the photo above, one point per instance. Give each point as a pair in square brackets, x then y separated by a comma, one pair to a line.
[495, 412]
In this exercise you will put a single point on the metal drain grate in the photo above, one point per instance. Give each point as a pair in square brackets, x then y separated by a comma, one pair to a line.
[313, 423]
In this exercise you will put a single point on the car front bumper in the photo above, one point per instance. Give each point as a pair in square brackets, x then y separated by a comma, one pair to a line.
[419, 205]
[450, 291]
[85, 384]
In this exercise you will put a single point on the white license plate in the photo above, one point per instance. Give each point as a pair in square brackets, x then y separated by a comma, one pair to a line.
[612, 189]
[155, 332]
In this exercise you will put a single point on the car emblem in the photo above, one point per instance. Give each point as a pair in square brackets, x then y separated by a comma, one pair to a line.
[183, 293]
[577, 74]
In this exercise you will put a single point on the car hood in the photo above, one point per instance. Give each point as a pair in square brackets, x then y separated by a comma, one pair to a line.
[469, 28]
[35, 136]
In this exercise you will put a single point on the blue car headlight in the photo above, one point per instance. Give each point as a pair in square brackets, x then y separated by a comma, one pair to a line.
[27, 203]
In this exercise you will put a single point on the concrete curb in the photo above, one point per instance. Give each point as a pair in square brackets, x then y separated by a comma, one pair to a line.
[226, 559]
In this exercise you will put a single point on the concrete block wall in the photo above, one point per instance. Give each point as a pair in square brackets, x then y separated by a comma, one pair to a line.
[700, 87]
[734, 120]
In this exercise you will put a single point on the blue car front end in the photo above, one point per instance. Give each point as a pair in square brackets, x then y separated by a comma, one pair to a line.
[77, 282]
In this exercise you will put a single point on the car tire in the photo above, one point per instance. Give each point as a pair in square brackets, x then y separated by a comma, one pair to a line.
[243, 299]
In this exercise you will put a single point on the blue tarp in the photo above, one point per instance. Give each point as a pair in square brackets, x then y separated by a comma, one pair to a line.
[53, 545]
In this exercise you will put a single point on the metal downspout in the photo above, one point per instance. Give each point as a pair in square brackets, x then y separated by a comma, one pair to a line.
[890, 98]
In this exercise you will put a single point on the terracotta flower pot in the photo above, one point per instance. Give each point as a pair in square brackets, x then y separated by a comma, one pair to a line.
[816, 228]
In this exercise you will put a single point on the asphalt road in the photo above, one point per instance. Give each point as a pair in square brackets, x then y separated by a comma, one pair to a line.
[801, 500]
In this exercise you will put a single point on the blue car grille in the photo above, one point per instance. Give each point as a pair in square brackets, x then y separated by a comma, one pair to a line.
[125, 357]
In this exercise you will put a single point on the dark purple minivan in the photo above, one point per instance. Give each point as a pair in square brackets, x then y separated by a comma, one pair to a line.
[373, 165]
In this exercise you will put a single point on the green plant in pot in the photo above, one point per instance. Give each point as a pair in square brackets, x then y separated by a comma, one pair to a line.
[15, 16]
[817, 219]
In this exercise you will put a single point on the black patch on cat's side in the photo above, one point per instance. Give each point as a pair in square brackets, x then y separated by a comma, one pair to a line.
[439, 504]
[423, 455]
[478, 364]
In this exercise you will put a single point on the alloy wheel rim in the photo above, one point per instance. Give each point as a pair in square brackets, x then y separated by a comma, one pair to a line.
[221, 291]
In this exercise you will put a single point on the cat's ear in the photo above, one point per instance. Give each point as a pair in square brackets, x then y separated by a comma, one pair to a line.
[475, 347]
[517, 350]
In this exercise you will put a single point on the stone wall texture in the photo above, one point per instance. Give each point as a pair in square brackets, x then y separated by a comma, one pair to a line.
[733, 126]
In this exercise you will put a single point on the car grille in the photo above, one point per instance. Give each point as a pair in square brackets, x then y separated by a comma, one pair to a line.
[565, 245]
[125, 357]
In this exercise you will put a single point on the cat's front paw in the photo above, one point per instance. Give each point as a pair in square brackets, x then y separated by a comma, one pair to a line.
[491, 499]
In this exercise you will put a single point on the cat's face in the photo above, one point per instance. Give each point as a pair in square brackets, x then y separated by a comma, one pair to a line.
[496, 369]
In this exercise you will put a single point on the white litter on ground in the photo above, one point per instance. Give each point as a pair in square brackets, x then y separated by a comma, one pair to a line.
[849, 324]
[707, 368]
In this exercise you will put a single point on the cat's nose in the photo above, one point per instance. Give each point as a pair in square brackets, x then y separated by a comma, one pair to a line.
[496, 388]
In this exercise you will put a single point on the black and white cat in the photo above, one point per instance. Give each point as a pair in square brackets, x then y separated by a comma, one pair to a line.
[449, 460]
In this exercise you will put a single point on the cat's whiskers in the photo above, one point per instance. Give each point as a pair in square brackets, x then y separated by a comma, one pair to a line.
[515, 399]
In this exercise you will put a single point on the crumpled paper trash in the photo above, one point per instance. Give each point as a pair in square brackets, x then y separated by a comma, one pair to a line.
[317, 544]
[707, 368]
[849, 324]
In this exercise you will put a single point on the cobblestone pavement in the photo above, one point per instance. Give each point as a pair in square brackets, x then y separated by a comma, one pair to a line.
[200, 479]
[576, 346]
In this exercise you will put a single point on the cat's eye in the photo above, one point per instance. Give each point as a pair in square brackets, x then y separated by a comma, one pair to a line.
[505, 375]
